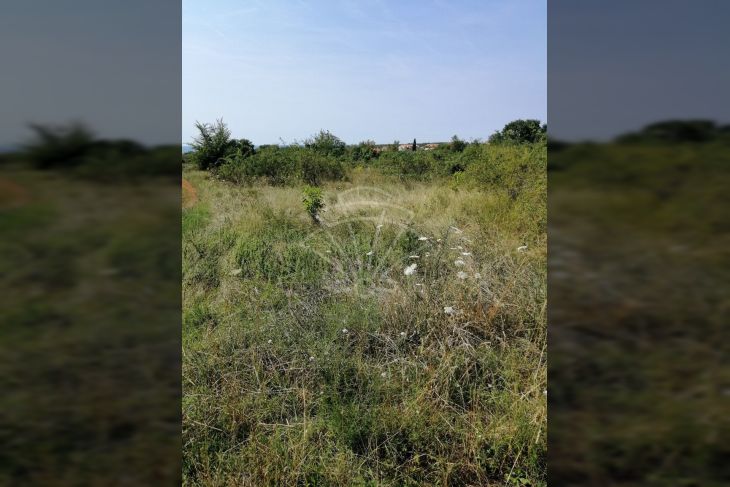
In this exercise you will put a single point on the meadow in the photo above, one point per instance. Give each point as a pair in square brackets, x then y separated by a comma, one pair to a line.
[638, 275]
[89, 343]
[395, 335]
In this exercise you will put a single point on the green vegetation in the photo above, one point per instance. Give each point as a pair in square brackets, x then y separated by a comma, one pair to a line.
[638, 283]
[90, 296]
[520, 132]
[399, 341]
[313, 202]
[324, 157]
[74, 150]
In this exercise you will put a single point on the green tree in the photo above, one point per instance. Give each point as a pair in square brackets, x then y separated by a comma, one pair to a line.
[326, 143]
[414, 146]
[520, 132]
[675, 131]
[59, 146]
[457, 145]
[364, 151]
[212, 145]
[243, 147]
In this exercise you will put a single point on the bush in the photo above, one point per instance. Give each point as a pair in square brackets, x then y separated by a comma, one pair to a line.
[313, 202]
[520, 132]
[281, 166]
[457, 145]
[326, 143]
[314, 168]
[418, 165]
[59, 146]
[212, 145]
[364, 152]
[675, 131]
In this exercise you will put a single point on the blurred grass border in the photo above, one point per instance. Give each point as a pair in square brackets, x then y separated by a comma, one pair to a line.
[638, 279]
[90, 313]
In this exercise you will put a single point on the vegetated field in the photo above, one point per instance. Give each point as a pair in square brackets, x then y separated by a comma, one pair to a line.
[399, 341]
[86, 351]
[638, 314]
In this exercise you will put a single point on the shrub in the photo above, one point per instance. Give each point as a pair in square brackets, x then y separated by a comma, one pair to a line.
[364, 152]
[520, 132]
[314, 168]
[212, 145]
[59, 146]
[313, 202]
[457, 145]
[326, 143]
[418, 165]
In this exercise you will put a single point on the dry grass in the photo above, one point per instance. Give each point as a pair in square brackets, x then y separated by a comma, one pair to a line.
[309, 361]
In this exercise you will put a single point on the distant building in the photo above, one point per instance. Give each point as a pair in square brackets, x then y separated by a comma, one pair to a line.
[407, 147]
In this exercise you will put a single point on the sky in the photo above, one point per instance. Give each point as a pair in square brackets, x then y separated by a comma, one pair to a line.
[363, 69]
[617, 66]
[114, 66]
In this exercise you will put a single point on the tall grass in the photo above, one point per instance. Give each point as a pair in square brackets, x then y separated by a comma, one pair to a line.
[638, 283]
[311, 358]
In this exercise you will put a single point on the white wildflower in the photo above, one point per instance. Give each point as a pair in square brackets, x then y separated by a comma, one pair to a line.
[402, 333]
[454, 248]
[462, 275]
[422, 239]
[477, 275]
[384, 374]
[410, 270]
[449, 310]
[345, 331]
[269, 342]
[459, 262]
[414, 256]
[311, 358]
[522, 248]
[428, 254]
[466, 254]
[438, 239]
[379, 227]
[369, 253]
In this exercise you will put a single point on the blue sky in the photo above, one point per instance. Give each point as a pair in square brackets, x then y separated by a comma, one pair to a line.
[115, 66]
[369, 69]
[618, 66]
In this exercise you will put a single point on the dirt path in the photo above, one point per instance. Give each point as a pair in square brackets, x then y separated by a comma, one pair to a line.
[189, 194]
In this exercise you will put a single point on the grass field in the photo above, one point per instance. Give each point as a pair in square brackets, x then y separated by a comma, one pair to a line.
[88, 310]
[319, 354]
[638, 277]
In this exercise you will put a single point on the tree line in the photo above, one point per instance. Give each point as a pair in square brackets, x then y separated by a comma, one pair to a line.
[324, 156]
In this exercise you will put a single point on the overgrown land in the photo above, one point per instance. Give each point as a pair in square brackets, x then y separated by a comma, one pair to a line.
[358, 315]
[639, 273]
[89, 301]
